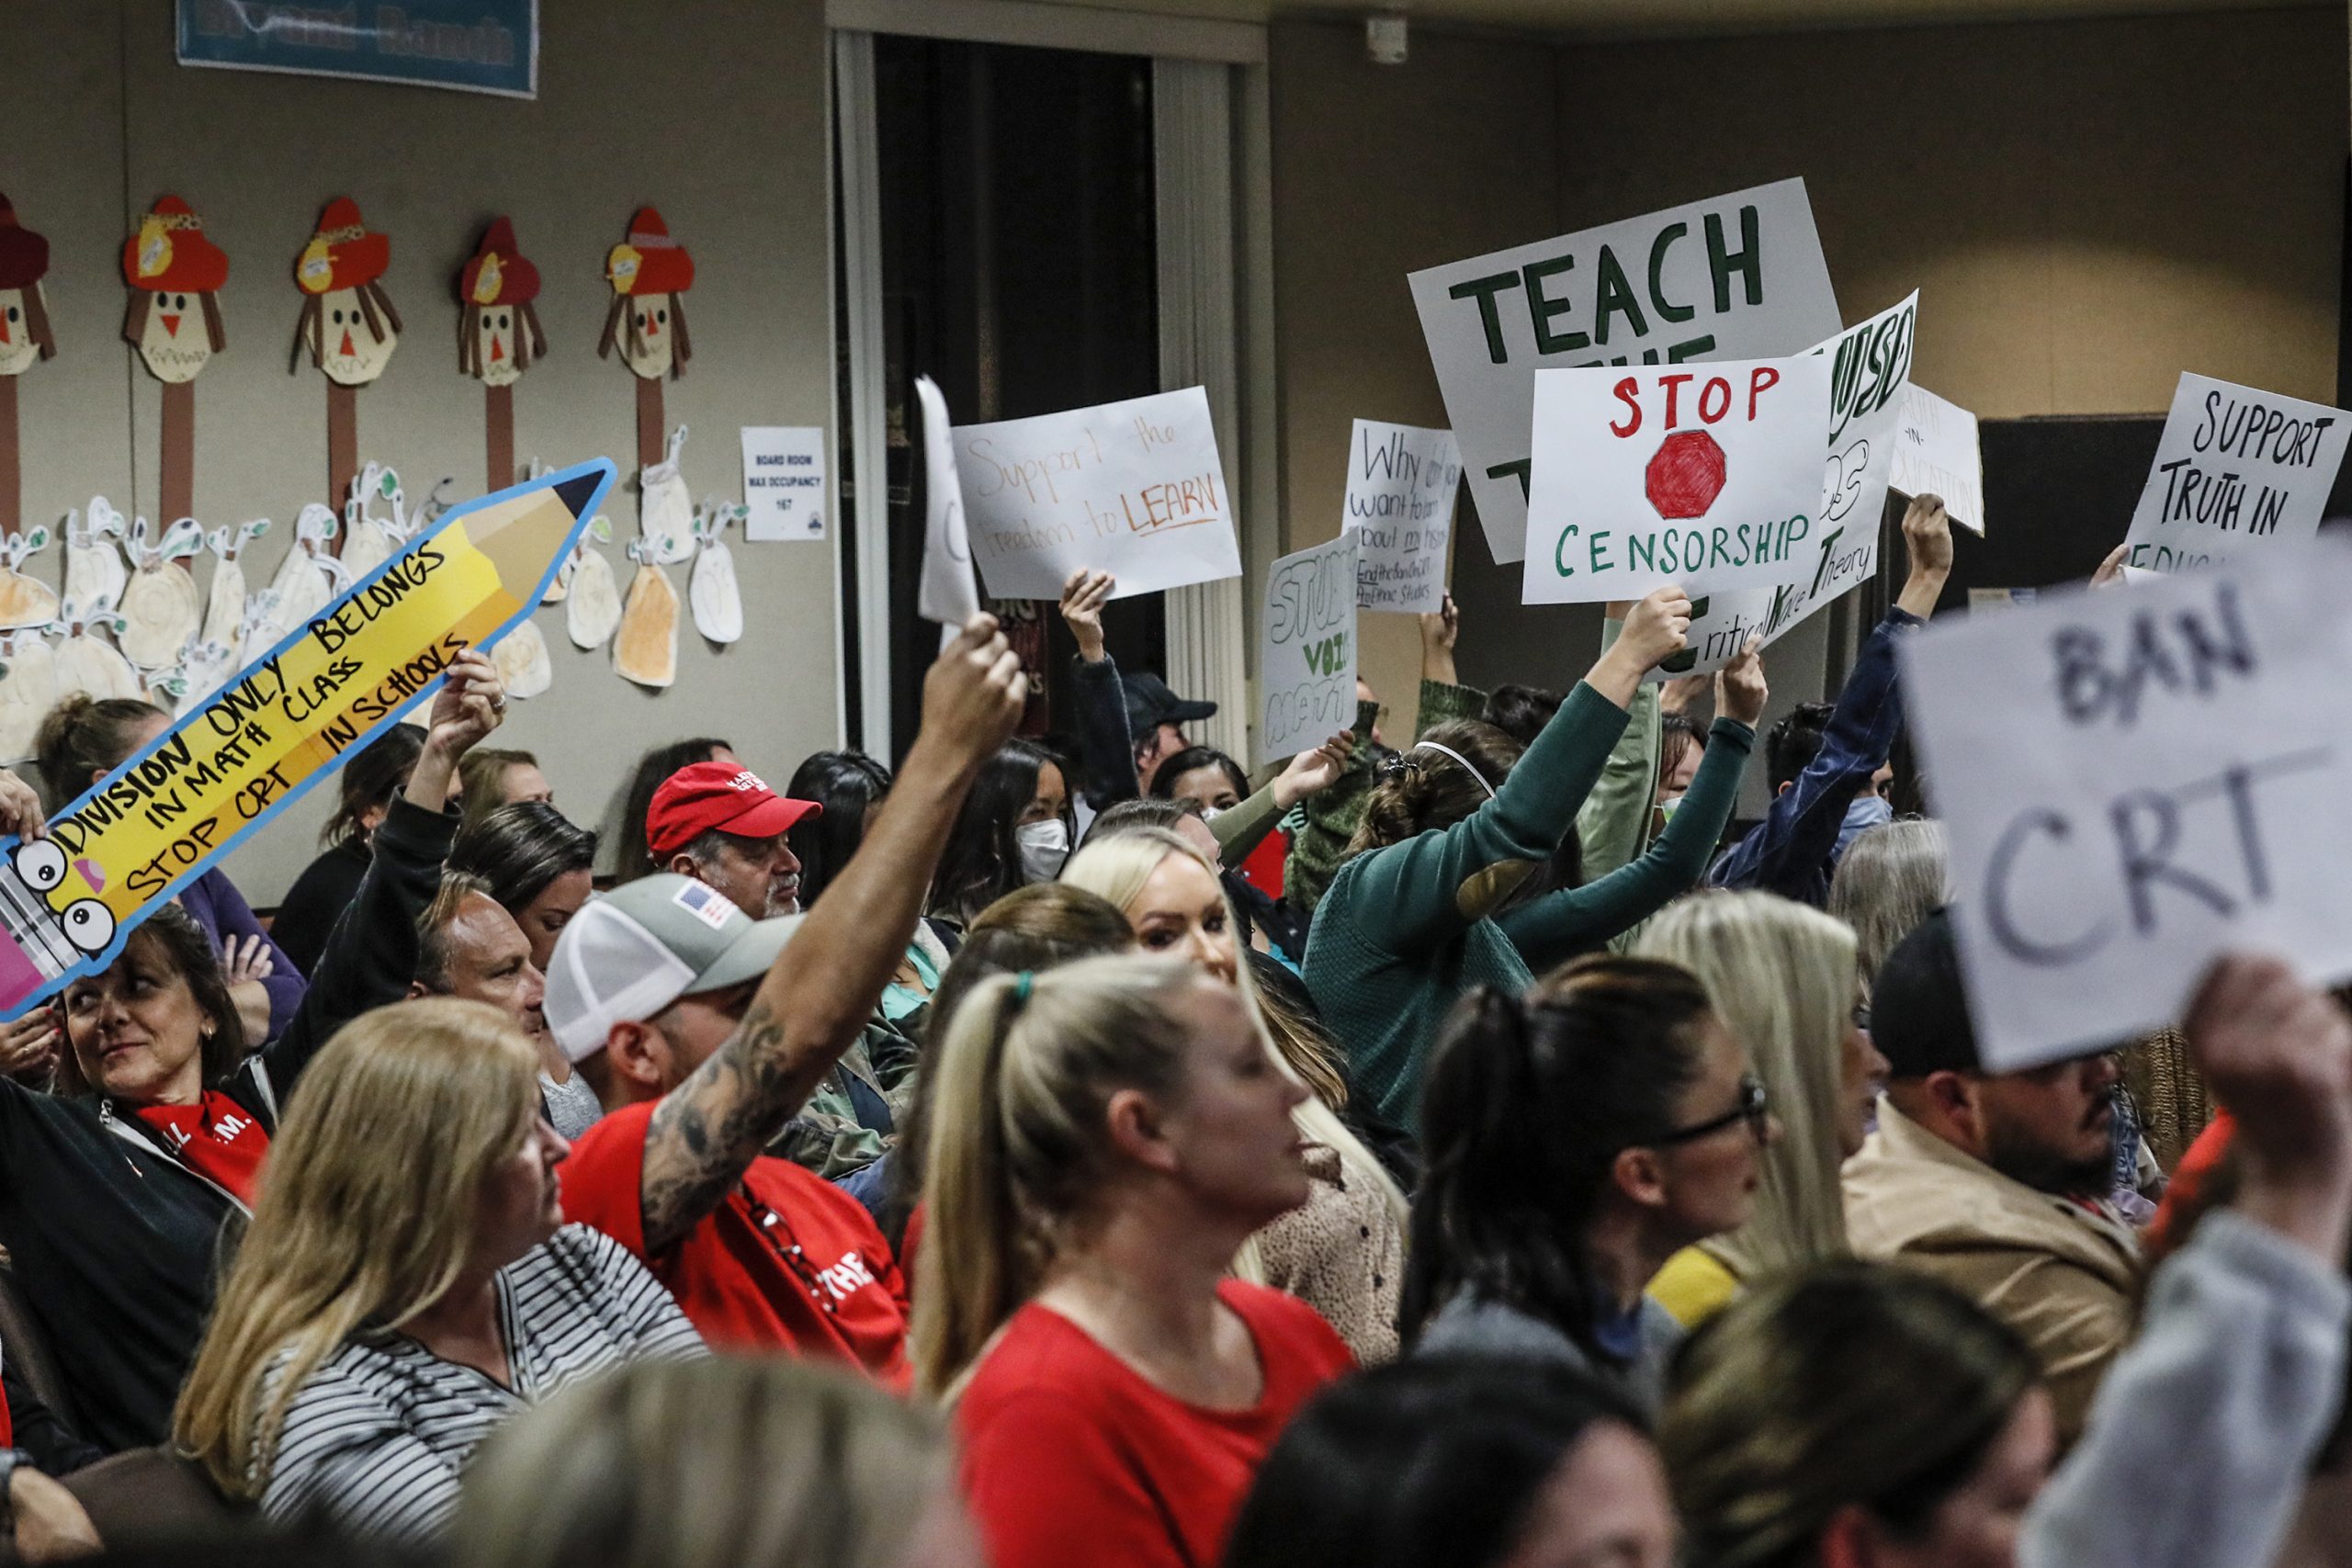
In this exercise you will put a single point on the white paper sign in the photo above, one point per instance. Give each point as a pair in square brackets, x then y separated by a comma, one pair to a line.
[1306, 648]
[2237, 470]
[1870, 371]
[784, 483]
[1401, 483]
[949, 593]
[1740, 277]
[1936, 454]
[1132, 489]
[1708, 475]
[2135, 781]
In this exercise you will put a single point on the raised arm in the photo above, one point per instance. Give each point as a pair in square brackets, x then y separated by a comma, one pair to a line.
[1109, 750]
[1241, 829]
[2234, 1382]
[1419, 894]
[1613, 824]
[370, 956]
[1790, 854]
[1559, 926]
[705, 1133]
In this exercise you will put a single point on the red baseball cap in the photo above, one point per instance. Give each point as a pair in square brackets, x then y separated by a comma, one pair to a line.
[725, 796]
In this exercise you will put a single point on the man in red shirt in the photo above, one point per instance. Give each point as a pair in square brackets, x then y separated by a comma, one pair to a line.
[703, 1031]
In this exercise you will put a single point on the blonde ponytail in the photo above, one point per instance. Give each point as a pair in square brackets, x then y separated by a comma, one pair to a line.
[1019, 1136]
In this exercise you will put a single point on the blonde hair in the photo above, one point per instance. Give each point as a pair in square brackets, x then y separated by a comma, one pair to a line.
[366, 1216]
[1890, 878]
[651, 1466]
[1117, 869]
[1018, 1137]
[1781, 977]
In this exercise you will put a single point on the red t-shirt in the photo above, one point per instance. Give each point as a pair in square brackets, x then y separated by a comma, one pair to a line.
[216, 1137]
[736, 1275]
[1072, 1459]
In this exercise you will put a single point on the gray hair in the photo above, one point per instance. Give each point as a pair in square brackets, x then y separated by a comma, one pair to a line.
[1890, 877]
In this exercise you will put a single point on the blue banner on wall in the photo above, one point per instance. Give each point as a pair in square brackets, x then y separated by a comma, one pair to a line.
[473, 46]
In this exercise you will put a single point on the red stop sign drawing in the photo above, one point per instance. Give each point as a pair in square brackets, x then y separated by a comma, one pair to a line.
[1685, 474]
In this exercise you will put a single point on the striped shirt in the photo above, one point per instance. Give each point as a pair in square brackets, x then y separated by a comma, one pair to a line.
[380, 1436]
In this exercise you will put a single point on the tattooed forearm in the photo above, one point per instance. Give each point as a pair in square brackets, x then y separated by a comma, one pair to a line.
[705, 1132]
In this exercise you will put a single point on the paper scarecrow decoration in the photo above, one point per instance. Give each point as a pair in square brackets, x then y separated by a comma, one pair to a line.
[176, 276]
[348, 324]
[498, 337]
[24, 316]
[647, 320]
[347, 318]
[24, 340]
[649, 273]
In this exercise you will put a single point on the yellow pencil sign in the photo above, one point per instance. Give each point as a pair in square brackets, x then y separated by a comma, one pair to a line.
[69, 901]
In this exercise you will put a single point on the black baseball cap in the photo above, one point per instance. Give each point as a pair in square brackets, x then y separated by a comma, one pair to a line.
[1150, 704]
[1920, 1008]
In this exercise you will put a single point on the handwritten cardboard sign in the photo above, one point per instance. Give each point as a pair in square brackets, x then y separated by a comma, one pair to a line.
[68, 902]
[948, 593]
[1705, 475]
[2134, 782]
[1738, 277]
[1131, 487]
[2237, 470]
[1936, 454]
[1870, 371]
[1306, 648]
[1401, 483]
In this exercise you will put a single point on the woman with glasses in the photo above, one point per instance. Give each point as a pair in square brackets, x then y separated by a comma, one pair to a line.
[1571, 1144]
[1783, 979]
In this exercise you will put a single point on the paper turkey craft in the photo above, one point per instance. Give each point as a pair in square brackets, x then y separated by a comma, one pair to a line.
[498, 337]
[25, 341]
[348, 323]
[649, 273]
[174, 274]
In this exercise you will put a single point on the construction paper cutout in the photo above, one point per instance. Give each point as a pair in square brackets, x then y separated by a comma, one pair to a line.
[498, 333]
[524, 667]
[174, 274]
[224, 770]
[205, 670]
[24, 336]
[649, 271]
[348, 322]
[225, 604]
[308, 576]
[369, 537]
[645, 649]
[86, 662]
[592, 610]
[711, 588]
[93, 566]
[24, 600]
[159, 608]
[27, 689]
[665, 517]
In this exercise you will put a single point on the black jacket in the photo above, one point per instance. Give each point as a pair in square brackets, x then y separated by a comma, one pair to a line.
[115, 1244]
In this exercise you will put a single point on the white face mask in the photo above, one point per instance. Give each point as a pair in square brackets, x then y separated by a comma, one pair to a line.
[1666, 806]
[1211, 813]
[1043, 846]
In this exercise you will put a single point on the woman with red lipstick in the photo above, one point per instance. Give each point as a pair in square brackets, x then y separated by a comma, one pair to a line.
[1105, 1136]
[114, 1191]
[408, 1282]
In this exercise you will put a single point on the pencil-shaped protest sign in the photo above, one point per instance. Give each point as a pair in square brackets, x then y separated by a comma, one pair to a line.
[68, 902]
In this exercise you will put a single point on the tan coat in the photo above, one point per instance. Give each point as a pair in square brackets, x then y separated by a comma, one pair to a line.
[1343, 1253]
[2063, 1278]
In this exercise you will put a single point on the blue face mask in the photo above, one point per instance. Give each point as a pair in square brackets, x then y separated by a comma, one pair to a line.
[1867, 811]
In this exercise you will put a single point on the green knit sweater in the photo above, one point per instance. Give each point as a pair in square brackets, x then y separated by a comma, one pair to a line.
[1329, 820]
[1404, 931]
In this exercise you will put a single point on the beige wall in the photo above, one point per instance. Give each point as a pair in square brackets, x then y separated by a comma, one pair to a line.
[715, 112]
[2087, 208]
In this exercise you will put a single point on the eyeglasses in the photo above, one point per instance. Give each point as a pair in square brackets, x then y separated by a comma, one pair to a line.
[787, 1248]
[1754, 1108]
